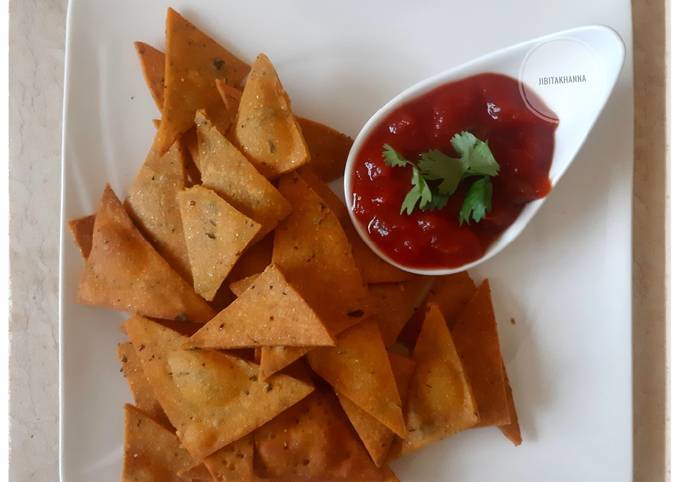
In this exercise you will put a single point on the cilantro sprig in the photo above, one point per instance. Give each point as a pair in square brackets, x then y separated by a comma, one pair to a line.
[436, 176]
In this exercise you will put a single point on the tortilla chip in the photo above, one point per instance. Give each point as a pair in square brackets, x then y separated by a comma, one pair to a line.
[373, 269]
[240, 286]
[375, 436]
[193, 62]
[124, 272]
[474, 333]
[511, 431]
[141, 391]
[269, 313]
[216, 234]
[190, 143]
[197, 472]
[81, 230]
[152, 204]
[153, 68]
[403, 368]
[254, 260]
[231, 97]
[275, 358]
[328, 149]
[395, 303]
[152, 452]
[266, 129]
[211, 398]
[312, 441]
[312, 251]
[451, 292]
[227, 171]
[233, 462]
[358, 367]
[440, 401]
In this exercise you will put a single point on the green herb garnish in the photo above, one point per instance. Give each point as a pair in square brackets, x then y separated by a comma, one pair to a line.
[436, 177]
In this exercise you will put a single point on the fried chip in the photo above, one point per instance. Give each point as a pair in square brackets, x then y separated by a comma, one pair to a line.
[358, 368]
[197, 472]
[81, 230]
[451, 293]
[269, 313]
[193, 62]
[240, 286]
[153, 69]
[328, 149]
[373, 269]
[266, 129]
[254, 260]
[512, 430]
[152, 204]
[403, 368]
[474, 333]
[225, 170]
[211, 398]
[141, 391]
[216, 234]
[312, 251]
[233, 462]
[152, 452]
[124, 272]
[440, 401]
[276, 358]
[231, 98]
[395, 303]
[312, 441]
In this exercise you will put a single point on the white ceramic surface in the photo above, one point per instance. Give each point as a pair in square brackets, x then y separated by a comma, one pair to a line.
[565, 281]
[593, 55]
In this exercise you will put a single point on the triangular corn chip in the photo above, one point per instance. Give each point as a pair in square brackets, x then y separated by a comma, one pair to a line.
[276, 358]
[231, 98]
[216, 234]
[440, 401]
[395, 303]
[474, 333]
[152, 204]
[240, 286]
[254, 260]
[266, 129]
[328, 149]
[312, 251]
[192, 63]
[123, 271]
[233, 462]
[269, 313]
[81, 230]
[153, 68]
[373, 269]
[358, 367]
[377, 438]
[211, 398]
[312, 441]
[196, 473]
[512, 430]
[152, 452]
[142, 392]
[225, 170]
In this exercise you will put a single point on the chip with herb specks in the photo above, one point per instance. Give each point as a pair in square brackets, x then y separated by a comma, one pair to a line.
[270, 312]
[193, 61]
[81, 230]
[216, 235]
[328, 149]
[151, 202]
[358, 367]
[153, 69]
[124, 272]
[227, 171]
[211, 398]
[233, 462]
[266, 129]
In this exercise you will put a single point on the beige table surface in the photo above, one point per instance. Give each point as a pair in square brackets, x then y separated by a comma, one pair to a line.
[36, 80]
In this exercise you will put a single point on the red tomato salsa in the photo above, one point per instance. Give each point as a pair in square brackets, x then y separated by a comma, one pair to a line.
[491, 107]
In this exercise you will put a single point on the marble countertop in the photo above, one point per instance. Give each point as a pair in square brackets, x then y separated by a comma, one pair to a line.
[36, 82]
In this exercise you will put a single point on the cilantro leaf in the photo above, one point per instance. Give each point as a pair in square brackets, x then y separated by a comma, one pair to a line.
[477, 201]
[475, 155]
[419, 194]
[438, 202]
[393, 158]
[436, 165]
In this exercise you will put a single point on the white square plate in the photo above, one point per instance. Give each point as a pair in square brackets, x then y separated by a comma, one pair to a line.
[566, 281]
